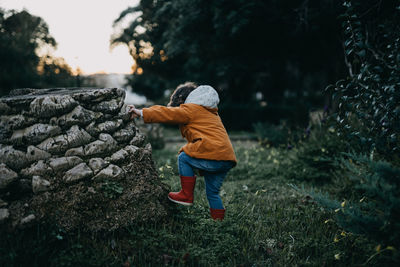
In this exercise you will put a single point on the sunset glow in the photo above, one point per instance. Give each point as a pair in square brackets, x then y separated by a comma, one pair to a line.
[82, 30]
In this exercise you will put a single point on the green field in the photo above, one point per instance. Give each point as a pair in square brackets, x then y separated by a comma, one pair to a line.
[268, 223]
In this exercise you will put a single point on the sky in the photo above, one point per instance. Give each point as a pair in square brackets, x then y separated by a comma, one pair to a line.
[82, 30]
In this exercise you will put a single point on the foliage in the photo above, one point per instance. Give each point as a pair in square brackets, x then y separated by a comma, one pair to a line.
[313, 158]
[111, 189]
[282, 50]
[22, 38]
[269, 134]
[369, 110]
[373, 207]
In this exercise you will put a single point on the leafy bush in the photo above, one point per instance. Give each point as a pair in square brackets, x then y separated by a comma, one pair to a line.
[270, 134]
[374, 208]
[313, 158]
[369, 100]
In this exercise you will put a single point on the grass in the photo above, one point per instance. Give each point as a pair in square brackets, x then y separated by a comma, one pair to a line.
[268, 223]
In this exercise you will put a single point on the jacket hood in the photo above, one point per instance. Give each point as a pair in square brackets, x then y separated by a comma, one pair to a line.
[203, 95]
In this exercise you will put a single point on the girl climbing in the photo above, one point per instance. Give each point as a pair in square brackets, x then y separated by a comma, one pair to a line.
[208, 147]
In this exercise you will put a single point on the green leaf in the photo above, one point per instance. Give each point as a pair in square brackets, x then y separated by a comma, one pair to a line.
[361, 53]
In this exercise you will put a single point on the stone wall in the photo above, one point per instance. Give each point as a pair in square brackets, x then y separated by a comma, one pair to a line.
[73, 157]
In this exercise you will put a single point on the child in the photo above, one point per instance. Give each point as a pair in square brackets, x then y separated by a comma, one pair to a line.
[208, 149]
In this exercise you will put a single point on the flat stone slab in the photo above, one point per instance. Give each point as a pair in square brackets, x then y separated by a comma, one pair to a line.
[111, 172]
[34, 134]
[79, 172]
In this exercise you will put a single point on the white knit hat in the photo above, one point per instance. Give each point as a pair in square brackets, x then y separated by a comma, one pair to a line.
[203, 95]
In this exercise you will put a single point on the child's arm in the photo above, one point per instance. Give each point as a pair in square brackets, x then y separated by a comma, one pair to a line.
[175, 115]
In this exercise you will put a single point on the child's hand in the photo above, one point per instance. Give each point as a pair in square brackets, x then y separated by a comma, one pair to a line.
[135, 113]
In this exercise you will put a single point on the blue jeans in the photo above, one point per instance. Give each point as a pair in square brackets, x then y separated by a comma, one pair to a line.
[214, 174]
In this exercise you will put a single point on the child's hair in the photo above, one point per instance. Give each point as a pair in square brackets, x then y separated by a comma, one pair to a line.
[181, 93]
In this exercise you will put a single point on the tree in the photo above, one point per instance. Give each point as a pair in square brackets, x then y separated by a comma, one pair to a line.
[21, 37]
[242, 47]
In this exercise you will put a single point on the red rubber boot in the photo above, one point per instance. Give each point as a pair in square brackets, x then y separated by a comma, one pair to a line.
[185, 196]
[217, 214]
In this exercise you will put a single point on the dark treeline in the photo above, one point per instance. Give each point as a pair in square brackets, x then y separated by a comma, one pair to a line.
[270, 60]
[25, 60]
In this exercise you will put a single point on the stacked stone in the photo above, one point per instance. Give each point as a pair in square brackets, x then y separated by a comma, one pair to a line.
[51, 139]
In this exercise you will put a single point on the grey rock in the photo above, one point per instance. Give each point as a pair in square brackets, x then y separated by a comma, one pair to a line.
[96, 164]
[111, 106]
[148, 148]
[39, 184]
[50, 105]
[39, 168]
[34, 134]
[79, 116]
[13, 158]
[91, 190]
[64, 163]
[109, 126]
[98, 95]
[3, 203]
[111, 172]
[131, 149]
[105, 144]
[77, 173]
[74, 137]
[125, 134]
[124, 113]
[4, 108]
[28, 219]
[138, 140]
[76, 151]
[34, 154]
[96, 148]
[12, 122]
[119, 156]
[104, 127]
[4, 215]
[7, 176]
[91, 129]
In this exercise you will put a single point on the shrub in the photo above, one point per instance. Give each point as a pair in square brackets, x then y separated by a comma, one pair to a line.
[270, 134]
[374, 210]
[369, 110]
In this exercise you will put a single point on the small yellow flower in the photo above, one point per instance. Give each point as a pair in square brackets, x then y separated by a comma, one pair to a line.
[343, 233]
[323, 150]
[337, 210]
[275, 161]
[378, 248]
[329, 220]
[343, 204]
[390, 248]
[337, 256]
[336, 239]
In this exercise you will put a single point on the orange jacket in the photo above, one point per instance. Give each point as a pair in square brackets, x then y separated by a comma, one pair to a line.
[201, 126]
